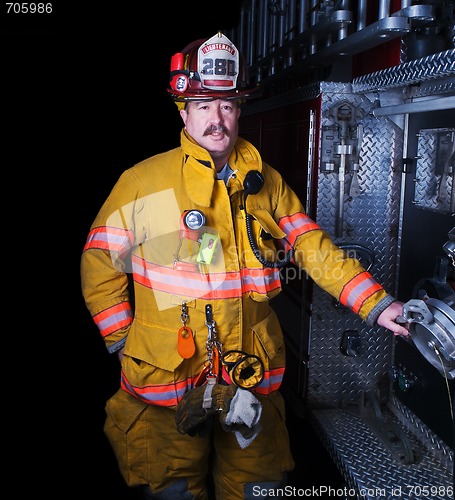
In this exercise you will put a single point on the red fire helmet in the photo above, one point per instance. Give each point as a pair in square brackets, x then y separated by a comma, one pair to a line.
[209, 69]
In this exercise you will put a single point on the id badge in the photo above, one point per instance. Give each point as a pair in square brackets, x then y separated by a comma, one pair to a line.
[207, 248]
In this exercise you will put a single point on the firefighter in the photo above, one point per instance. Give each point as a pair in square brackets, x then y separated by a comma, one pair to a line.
[204, 230]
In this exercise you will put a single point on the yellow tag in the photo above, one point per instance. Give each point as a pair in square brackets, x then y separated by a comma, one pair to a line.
[207, 248]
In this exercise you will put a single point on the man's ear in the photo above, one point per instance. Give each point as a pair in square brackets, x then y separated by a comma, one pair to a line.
[184, 115]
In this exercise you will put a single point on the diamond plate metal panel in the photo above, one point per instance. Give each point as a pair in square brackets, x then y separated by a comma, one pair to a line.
[432, 88]
[370, 219]
[370, 469]
[427, 68]
[435, 170]
[442, 453]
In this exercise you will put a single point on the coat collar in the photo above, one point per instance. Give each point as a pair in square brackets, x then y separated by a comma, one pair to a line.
[199, 172]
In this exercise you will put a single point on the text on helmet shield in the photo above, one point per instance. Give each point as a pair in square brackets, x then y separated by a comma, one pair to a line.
[218, 46]
[218, 61]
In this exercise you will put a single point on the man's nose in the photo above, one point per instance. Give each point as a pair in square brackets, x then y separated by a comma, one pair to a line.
[216, 115]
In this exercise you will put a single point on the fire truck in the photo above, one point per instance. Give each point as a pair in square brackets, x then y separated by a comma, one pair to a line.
[357, 112]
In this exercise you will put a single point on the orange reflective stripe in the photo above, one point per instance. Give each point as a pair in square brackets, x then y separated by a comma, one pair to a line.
[209, 286]
[272, 381]
[114, 318]
[357, 290]
[171, 394]
[159, 394]
[113, 239]
[296, 225]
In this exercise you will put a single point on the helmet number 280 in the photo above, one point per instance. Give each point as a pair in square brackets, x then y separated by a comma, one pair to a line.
[218, 67]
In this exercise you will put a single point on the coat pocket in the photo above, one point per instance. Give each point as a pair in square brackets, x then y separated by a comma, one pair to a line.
[268, 344]
[154, 344]
[124, 409]
[268, 341]
[123, 426]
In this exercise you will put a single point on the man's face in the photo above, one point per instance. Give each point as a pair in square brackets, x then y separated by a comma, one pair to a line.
[213, 125]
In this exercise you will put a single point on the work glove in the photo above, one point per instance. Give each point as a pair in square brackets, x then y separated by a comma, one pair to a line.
[243, 417]
[196, 409]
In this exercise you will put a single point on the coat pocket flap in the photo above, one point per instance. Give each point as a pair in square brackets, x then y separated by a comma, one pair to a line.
[155, 345]
[122, 412]
[268, 331]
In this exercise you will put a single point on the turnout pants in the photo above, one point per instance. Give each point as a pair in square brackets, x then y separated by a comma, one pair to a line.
[152, 454]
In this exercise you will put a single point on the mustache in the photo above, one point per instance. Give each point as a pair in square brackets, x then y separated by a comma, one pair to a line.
[216, 128]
